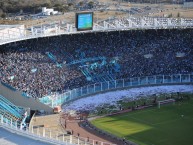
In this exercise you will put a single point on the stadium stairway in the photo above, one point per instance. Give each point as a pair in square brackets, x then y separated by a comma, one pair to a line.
[12, 113]
[103, 78]
[117, 67]
[97, 77]
[10, 107]
[53, 58]
[17, 99]
[8, 117]
[67, 55]
[86, 73]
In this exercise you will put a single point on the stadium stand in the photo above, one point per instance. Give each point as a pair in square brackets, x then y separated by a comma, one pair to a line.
[41, 66]
[12, 113]
[15, 130]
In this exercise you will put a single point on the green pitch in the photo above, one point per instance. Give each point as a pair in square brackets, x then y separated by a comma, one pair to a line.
[169, 125]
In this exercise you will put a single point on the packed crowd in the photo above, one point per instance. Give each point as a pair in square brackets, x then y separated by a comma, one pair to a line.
[40, 66]
[111, 98]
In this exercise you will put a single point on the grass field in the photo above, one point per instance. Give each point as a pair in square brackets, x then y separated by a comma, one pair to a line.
[169, 125]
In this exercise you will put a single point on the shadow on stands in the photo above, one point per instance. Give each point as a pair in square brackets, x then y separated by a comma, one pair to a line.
[8, 86]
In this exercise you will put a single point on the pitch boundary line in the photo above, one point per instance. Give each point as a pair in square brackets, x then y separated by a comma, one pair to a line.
[163, 122]
[139, 111]
[149, 123]
[154, 124]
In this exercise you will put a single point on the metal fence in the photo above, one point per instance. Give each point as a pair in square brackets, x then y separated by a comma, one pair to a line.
[128, 23]
[15, 126]
[46, 134]
[56, 99]
[66, 138]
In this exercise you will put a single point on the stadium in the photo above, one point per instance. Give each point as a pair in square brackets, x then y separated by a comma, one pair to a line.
[121, 81]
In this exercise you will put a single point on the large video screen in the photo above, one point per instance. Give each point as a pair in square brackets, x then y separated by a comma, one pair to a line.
[84, 21]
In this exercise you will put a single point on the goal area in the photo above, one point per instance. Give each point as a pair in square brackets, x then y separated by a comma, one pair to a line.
[163, 102]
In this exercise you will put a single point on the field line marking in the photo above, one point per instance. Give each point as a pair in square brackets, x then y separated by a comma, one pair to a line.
[142, 121]
[163, 122]
[139, 111]
[142, 111]
[162, 140]
[154, 124]
[139, 139]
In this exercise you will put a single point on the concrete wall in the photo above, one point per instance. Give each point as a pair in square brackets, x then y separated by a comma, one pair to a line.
[16, 98]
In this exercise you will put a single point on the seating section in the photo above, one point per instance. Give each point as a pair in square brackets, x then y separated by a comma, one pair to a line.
[43, 66]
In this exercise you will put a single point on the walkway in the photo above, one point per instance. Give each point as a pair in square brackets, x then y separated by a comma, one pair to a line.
[9, 138]
[87, 133]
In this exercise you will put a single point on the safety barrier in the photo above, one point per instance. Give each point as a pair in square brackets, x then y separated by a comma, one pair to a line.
[46, 135]
[127, 23]
[56, 99]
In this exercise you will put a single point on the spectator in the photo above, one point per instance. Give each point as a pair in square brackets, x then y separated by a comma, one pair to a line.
[40, 67]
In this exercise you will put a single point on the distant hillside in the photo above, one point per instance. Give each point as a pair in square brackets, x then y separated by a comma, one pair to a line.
[34, 6]
[29, 6]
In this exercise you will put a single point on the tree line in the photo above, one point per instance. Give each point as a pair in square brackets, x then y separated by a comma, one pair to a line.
[31, 6]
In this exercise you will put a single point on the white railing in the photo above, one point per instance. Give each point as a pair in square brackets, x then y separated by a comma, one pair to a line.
[47, 135]
[57, 99]
[15, 127]
[65, 138]
[107, 25]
